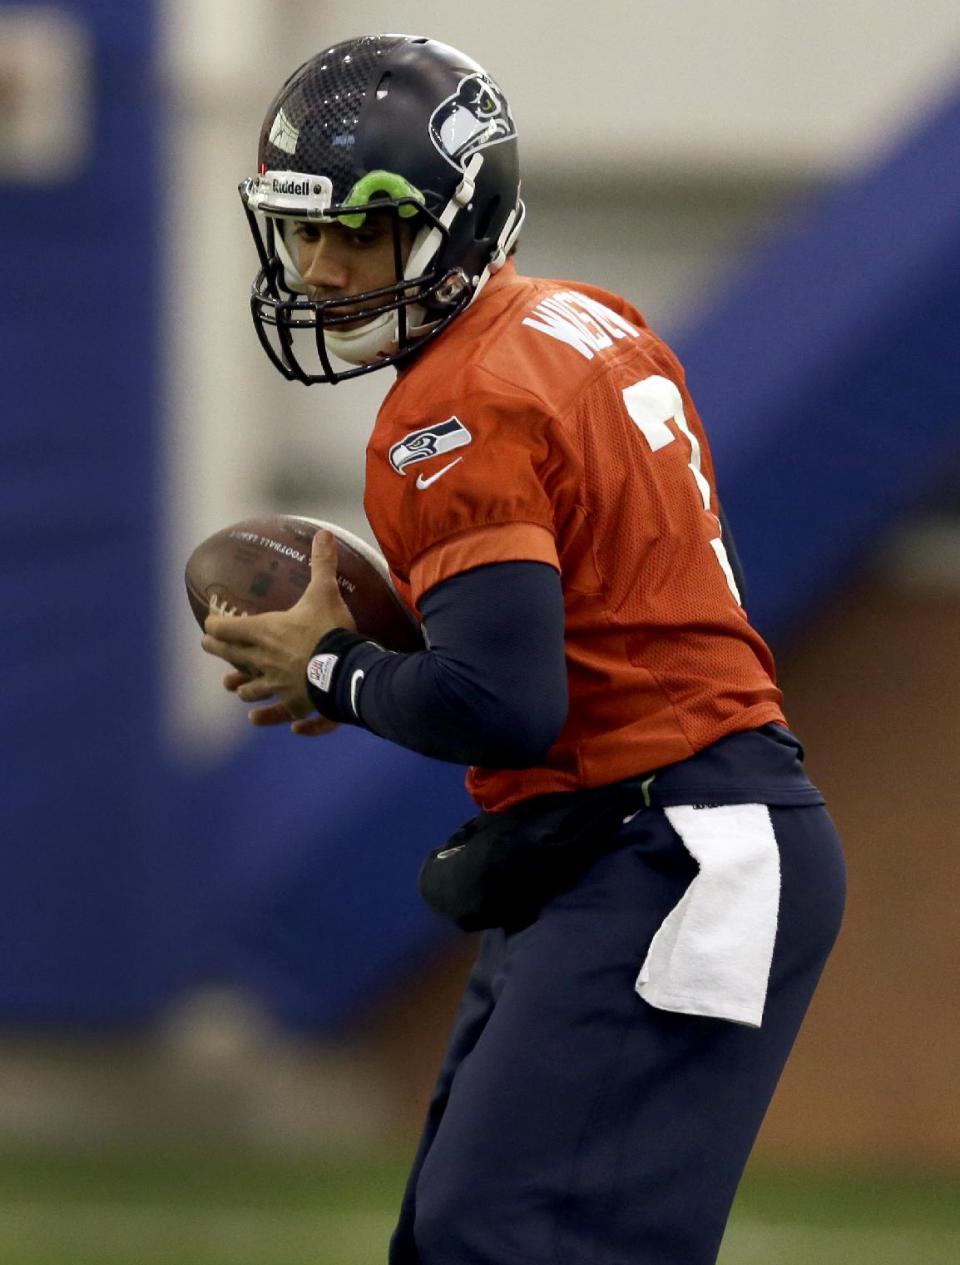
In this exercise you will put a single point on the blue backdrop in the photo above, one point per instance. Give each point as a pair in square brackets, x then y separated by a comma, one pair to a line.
[78, 342]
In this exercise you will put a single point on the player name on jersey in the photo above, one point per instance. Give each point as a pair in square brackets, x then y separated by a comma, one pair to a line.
[584, 324]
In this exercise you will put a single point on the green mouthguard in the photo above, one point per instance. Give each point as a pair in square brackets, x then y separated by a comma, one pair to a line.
[380, 182]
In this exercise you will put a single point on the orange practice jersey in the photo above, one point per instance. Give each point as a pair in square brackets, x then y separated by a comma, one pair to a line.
[549, 424]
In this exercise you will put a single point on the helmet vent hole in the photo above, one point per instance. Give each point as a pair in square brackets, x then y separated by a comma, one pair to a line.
[383, 87]
[482, 230]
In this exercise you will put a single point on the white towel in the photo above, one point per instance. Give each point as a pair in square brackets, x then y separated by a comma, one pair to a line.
[712, 953]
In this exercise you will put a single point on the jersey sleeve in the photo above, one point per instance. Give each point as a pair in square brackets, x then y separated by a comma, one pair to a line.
[464, 485]
[507, 542]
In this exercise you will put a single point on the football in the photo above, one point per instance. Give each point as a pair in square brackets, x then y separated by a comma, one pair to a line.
[263, 564]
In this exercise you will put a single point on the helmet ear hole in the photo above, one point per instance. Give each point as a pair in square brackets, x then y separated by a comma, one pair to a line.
[485, 219]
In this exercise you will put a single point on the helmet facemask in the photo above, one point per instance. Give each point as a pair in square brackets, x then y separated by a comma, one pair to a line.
[299, 334]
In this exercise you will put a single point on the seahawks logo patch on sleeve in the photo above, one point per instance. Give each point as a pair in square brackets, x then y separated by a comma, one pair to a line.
[429, 441]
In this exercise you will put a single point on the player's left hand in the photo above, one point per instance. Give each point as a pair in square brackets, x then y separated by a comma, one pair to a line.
[270, 651]
[276, 714]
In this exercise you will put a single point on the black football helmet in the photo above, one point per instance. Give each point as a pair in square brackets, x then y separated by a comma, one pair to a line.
[390, 123]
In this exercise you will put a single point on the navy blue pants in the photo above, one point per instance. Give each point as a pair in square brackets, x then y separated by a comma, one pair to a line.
[573, 1123]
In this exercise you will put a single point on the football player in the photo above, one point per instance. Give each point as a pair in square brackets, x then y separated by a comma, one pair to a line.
[659, 881]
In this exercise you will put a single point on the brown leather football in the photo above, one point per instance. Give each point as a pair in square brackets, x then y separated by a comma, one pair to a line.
[263, 564]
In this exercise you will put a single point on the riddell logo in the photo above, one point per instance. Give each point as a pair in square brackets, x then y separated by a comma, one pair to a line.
[300, 187]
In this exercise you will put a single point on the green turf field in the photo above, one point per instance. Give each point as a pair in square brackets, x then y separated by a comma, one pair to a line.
[190, 1208]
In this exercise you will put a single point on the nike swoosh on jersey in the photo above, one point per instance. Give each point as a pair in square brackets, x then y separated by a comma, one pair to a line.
[354, 686]
[424, 482]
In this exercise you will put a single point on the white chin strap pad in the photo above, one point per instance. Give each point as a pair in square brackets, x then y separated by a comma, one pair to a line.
[366, 343]
[376, 338]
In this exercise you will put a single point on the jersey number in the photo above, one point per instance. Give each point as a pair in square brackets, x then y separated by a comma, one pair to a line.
[652, 403]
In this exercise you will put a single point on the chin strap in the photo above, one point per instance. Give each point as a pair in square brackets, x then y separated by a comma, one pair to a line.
[511, 231]
[425, 249]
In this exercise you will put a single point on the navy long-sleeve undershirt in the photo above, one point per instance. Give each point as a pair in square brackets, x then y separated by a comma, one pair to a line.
[490, 690]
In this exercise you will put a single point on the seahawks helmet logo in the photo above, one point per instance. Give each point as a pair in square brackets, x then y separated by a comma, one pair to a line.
[421, 445]
[473, 117]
